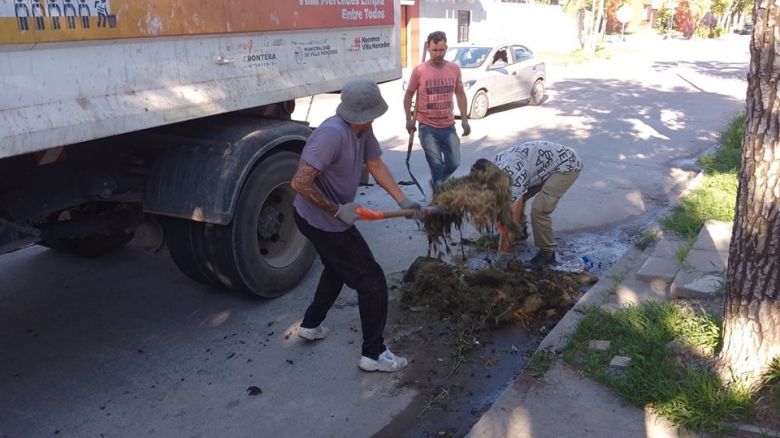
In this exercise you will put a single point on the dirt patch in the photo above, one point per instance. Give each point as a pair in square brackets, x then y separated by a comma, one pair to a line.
[473, 332]
[489, 298]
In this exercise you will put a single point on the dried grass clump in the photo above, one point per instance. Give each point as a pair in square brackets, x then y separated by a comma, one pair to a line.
[480, 197]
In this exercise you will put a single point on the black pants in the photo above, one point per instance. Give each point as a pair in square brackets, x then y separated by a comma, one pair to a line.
[348, 260]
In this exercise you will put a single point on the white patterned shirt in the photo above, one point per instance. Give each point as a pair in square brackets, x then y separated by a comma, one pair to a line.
[529, 164]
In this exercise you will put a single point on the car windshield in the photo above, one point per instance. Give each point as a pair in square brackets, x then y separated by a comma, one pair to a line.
[467, 57]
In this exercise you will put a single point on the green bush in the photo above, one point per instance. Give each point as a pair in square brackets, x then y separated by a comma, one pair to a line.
[663, 20]
[705, 32]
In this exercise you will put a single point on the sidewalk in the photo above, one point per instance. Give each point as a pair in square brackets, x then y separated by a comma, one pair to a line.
[564, 403]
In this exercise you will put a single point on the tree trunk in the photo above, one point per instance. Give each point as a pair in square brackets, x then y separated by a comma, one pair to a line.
[751, 325]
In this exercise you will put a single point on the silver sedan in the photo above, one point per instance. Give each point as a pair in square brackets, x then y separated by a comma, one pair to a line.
[495, 75]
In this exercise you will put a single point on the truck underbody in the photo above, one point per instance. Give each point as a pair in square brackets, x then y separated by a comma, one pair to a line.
[215, 190]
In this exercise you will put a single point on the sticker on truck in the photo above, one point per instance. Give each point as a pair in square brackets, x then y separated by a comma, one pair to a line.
[38, 21]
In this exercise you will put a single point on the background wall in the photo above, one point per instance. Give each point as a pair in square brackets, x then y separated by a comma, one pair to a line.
[540, 27]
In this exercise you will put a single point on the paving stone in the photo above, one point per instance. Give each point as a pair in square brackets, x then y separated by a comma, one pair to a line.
[610, 307]
[620, 361]
[599, 345]
[714, 236]
[695, 285]
[706, 261]
[667, 247]
[658, 268]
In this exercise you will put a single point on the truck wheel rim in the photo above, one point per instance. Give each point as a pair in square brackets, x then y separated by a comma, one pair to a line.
[278, 238]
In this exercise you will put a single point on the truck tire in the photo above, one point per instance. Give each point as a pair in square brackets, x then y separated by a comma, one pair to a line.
[91, 245]
[186, 244]
[262, 251]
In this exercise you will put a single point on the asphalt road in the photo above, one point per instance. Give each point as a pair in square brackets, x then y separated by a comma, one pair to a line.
[126, 345]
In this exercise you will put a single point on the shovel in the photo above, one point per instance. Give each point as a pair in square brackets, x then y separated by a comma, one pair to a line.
[367, 214]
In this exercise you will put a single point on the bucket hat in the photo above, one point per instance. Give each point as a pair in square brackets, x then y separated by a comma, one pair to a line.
[361, 102]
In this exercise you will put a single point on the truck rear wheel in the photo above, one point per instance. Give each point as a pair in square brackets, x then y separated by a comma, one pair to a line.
[261, 251]
[186, 244]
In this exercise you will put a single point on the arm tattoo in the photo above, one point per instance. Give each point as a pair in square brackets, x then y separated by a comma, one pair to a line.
[303, 183]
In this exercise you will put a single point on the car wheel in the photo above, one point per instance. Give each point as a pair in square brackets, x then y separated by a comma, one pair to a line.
[537, 93]
[479, 105]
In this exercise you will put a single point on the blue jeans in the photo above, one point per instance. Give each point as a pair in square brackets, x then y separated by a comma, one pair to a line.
[442, 151]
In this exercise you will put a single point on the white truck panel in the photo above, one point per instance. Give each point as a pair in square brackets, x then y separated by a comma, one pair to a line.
[61, 93]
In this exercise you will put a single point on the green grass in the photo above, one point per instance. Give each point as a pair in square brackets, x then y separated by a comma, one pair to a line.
[540, 362]
[716, 197]
[578, 56]
[617, 279]
[727, 158]
[772, 384]
[690, 395]
[682, 252]
[773, 375]
[647, 238]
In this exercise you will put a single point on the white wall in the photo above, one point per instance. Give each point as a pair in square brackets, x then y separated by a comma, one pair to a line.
[541, 27]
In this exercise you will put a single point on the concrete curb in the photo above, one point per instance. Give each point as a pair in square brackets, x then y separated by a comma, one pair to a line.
[595, 296]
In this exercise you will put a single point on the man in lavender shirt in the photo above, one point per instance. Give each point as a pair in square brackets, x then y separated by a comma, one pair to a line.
[326, 182]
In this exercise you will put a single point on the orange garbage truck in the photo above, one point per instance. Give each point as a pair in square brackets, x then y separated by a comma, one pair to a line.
[171, 121]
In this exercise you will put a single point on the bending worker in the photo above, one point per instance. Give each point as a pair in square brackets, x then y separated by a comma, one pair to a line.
[326, 183]
[542, 170]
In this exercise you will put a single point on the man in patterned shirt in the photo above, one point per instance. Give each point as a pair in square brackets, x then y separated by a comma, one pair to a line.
[539, 169]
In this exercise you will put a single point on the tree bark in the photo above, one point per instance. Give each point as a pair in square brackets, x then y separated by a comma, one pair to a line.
[751, 325]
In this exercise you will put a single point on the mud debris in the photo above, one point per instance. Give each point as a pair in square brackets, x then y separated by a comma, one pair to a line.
[488, 298]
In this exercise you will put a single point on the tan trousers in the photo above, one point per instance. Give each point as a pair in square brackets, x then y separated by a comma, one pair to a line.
[544, 204]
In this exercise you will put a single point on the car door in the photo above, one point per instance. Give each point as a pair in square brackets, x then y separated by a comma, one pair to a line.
[500, 81]
[525, 70]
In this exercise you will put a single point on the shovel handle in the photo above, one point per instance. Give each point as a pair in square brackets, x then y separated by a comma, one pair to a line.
[367, 214]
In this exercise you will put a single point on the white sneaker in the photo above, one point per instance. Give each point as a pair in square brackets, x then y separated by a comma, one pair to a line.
[387, 362]
[313, 334]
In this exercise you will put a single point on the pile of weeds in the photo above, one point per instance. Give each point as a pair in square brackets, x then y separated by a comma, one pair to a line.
[476, 300]
[473, 301]
[481, 198]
